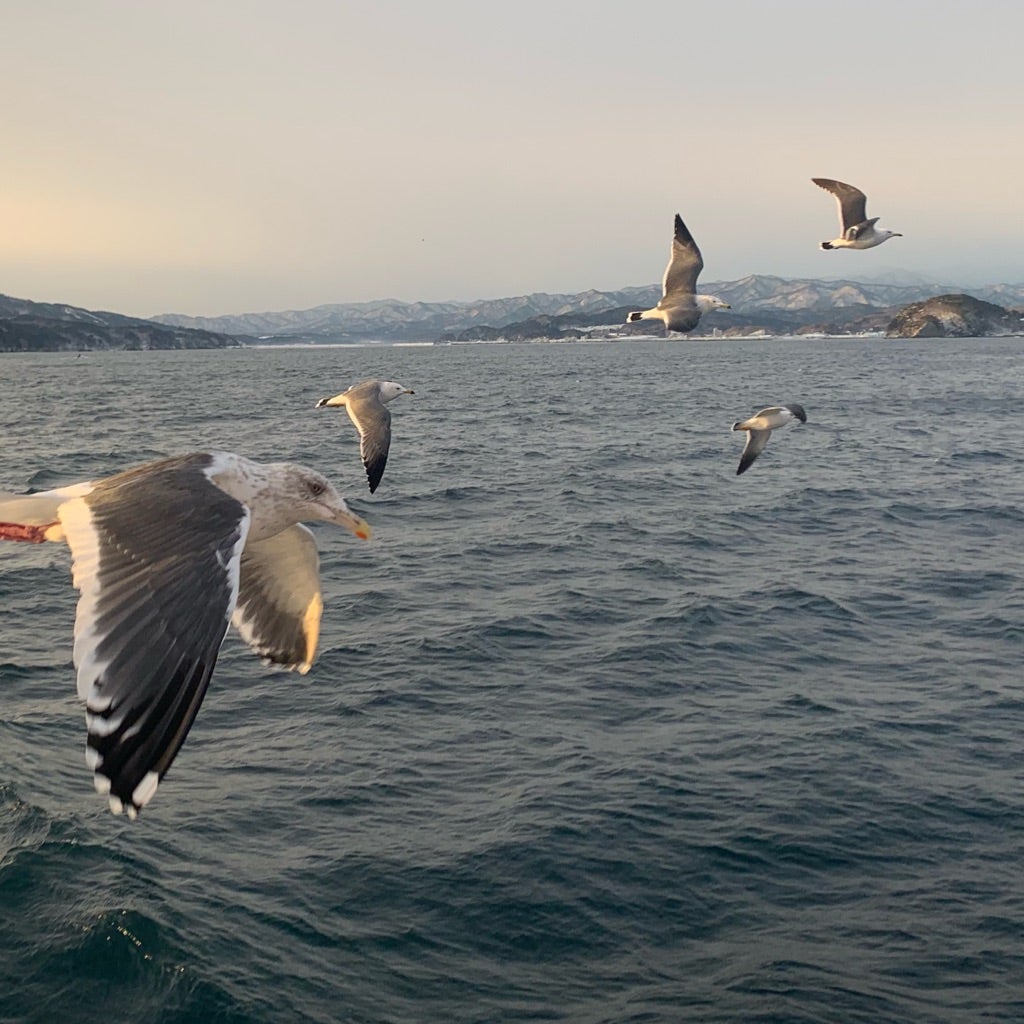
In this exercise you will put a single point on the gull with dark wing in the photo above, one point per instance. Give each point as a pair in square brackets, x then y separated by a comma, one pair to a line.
[680, 307]
[759, 428]
[365, 405]
[164, 556]
[855, 230]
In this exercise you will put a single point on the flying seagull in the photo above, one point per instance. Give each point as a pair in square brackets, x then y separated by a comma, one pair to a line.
[164, 556]
[855, 230]
[365, 405]
[680, 308]
[760, 426]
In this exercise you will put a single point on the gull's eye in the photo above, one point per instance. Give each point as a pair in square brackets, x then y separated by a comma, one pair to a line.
[316, 488]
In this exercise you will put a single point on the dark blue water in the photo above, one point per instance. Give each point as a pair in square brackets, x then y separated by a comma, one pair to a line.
[599, 732]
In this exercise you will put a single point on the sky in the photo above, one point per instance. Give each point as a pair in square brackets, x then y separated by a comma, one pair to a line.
[214, 158]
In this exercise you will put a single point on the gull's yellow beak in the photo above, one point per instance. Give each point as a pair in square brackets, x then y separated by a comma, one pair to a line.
[354, 524]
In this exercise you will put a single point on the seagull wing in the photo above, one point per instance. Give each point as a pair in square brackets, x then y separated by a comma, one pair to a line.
[373, 421]
[155, 555]
[683, 317]
[756, 440]
[852, 202]
[279, 602]
[858, 229]
[684, 264]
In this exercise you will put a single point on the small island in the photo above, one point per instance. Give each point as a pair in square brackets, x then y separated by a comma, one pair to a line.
[954, 316]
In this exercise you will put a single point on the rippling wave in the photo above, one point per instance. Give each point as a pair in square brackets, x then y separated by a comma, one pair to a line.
[599, 732]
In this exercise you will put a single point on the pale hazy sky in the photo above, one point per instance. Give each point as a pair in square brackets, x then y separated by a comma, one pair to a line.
[220, 157]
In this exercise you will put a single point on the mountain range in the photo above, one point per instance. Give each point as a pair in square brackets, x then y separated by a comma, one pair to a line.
[760, 304]
[27, 326]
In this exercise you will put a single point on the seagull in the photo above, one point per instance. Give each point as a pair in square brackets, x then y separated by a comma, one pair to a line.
[164, 556]
[760, 426]
[679, 308]
[856, 231]
[365, 405]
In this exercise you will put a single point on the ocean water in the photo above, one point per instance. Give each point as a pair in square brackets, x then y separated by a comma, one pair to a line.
[599, 731]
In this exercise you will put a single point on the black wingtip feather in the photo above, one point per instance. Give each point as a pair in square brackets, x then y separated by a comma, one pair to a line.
[682, 232]
[374, 473]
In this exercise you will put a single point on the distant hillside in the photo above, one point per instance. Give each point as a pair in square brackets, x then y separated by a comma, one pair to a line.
[954, 316]
[760, 305]
[393, 320]
[27, 326]
[611, 325]
[760, 302]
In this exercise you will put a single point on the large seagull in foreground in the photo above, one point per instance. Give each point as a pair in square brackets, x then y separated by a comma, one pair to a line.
[680, 308]
[855, 230]
[165, 556]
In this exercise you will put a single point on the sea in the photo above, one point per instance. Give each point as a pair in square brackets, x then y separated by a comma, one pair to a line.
[599, 732]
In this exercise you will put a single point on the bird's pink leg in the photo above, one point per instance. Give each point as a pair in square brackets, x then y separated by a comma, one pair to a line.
[30, 534]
